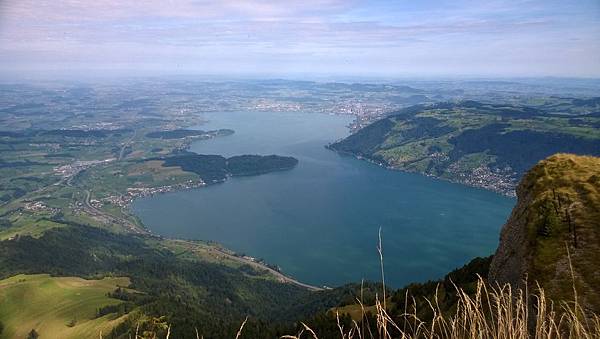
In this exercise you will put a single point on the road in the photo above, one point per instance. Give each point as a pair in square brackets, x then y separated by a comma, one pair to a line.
[280, 276]
[125, 144]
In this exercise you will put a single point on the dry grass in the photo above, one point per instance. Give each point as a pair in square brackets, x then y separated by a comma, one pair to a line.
[495, 312]
[492, 312]
[570, 186]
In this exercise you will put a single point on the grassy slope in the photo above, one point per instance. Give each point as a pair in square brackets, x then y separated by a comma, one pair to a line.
[575, 181]
[48, 304]
[453, 141]
[23, 226]
[465, 277]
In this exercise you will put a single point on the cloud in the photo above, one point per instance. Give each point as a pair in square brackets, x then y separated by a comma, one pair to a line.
[75, 11]
[376, 35]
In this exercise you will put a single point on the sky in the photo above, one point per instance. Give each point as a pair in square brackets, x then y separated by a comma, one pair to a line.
[402, 38]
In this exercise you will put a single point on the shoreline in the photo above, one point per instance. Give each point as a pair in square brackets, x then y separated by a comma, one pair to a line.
[386, 166]
[143, 230]
[233, 255]
[136, 193]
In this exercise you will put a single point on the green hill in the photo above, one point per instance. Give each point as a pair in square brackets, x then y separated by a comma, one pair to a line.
[216, 168]
[192, 284]
[482, 145]
[57, 307]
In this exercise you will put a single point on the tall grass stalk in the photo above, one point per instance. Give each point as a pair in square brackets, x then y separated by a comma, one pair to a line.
[492, 312]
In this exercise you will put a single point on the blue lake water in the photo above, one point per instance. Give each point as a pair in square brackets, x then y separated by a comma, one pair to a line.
[319, 222]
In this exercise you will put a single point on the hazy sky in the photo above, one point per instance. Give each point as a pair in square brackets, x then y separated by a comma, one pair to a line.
[327, 37]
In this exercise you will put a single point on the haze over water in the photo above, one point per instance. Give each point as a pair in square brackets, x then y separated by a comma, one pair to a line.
[319, 221]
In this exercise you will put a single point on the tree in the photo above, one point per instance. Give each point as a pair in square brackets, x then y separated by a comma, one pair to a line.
[549, 220]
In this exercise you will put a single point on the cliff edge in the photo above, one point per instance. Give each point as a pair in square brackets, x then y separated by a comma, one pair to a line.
[557, 217]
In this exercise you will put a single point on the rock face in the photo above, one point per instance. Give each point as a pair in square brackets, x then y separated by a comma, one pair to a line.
[511, 260]
[553, 234]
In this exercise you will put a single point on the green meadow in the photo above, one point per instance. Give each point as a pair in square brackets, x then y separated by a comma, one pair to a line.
[57, 307]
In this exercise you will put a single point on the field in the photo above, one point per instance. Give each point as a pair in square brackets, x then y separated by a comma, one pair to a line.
[56, 307]
[27, 226]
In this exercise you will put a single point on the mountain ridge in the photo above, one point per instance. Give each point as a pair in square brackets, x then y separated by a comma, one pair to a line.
[483, 145]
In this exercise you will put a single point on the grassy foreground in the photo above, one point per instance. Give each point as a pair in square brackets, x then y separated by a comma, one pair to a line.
[56, 307]
[492, 312]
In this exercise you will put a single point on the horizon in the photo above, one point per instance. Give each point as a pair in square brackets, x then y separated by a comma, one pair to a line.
[100, 77]
[301, 40]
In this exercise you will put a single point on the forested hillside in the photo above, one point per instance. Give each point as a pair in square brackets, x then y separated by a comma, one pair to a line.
[179, 283]
[483, 145]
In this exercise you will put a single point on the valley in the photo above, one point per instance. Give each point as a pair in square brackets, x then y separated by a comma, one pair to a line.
[275, 217]
[304, 169]
[222, 214]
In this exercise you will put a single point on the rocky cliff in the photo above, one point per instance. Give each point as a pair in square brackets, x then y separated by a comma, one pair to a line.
[552, 237]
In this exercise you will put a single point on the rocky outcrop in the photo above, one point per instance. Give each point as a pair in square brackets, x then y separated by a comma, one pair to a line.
[552, 237]
[511, 260]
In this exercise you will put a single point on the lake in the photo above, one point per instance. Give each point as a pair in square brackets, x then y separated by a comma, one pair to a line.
[319, 222]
